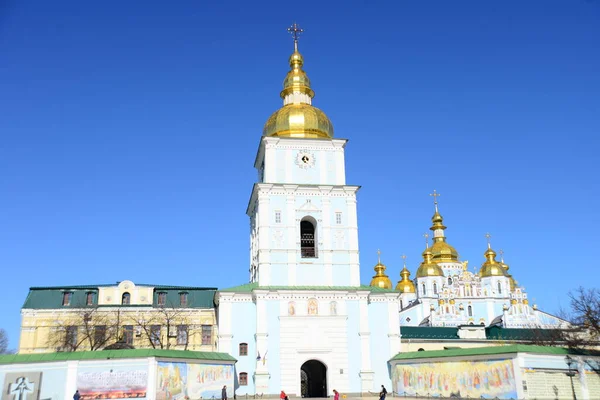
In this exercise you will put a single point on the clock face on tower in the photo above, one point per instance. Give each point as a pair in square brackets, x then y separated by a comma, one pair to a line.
[305, 159]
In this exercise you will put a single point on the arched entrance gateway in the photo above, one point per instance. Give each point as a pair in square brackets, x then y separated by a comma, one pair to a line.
[313, 379]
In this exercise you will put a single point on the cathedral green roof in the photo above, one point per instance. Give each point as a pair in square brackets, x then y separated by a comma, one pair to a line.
[488, 351]
[41, 298]
[114, 354]
[491, 333]
[250, 287]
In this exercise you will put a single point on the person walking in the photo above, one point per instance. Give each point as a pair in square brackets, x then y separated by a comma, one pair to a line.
[336, 395]
[283, 396]
[224, 393]
[76, 396]
[383, 393]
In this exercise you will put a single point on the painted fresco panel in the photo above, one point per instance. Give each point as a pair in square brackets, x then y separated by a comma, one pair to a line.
[478, 379]
[178, 380]
[112, 383]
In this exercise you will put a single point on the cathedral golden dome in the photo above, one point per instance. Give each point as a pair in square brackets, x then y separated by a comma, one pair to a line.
[405, 285]
[491, 267]
[298, 118]
[380, 279]
[442, 251]
[428, 267]
[511, 279]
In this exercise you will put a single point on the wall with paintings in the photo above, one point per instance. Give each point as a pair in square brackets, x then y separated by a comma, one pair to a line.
[34, 381]
[113, 381]
[488, 379]
[177, 380]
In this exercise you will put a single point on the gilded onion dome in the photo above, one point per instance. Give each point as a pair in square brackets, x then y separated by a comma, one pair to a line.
[298, 118]
[405, 285]
[429, 267]
[511, 279]
[442, 251]
[380, 279]
[491, 267]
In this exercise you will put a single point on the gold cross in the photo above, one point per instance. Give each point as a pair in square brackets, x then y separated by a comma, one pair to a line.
[488, 236]
[295, 31]
[426, 236]
[501, 255]
[435, 195]
[404, 259]
[378, 256]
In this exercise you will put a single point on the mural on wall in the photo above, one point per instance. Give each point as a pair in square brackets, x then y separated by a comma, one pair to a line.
[22, 385]
[178, 380]
[171, 380]
[112, 384]
[479, 379]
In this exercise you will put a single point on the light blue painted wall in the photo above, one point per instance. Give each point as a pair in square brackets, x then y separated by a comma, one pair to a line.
[243, 328]
[273, 359]
[354, 348]
[380, 346]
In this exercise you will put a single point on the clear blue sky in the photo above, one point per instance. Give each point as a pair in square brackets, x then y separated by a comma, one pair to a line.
[129, 130]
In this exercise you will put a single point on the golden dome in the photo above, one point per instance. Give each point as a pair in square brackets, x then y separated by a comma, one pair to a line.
[380, 279]
[512, 281]
[405, 285]
[442, 251]
[298, 118]
[491, 267]
[428, 267]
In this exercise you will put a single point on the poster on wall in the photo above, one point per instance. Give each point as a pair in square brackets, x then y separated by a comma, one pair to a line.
[22, 385]
[479, 379]
[171, 381]
[207, 380]
[180, 380]
[112, 384]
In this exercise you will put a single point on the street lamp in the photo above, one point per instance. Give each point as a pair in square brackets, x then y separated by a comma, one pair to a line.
[571, 373]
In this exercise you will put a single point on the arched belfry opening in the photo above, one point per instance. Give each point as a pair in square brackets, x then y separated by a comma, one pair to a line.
[308, 238]
[313, 379]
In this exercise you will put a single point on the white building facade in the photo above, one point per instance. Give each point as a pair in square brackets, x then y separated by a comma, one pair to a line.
[304, 323]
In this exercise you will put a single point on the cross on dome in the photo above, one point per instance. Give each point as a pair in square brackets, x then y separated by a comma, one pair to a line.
[426, 236]
[378, 256]
[435, 195]
[295, 31]
[488, 236]
[404, 259]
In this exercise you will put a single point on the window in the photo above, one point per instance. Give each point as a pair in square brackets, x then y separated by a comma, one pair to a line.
[424, 289]
[449, 281]
[89, 299]
[470, 311]
[71, 337]
[499, 288]
[162, 298]
[183, 299]
[243, 349]
[338, 218]
[67, 296]
[277, 217]
[182, 334]
[128, 334]
[307, 240]
[99, 334]
[155, 334]
[126, 298]
[206, 334]
[243, 379]
[434, 288]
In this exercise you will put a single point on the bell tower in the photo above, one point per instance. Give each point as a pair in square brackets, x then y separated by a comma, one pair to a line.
[303, 223]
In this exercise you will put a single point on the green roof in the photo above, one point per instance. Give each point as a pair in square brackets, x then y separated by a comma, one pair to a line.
[112, 354]
[491, 333]
[250, 287]
[484, 351]
[52, 297]
[428, 332]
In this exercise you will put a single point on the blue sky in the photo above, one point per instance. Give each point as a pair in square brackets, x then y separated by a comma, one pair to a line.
[129, 130]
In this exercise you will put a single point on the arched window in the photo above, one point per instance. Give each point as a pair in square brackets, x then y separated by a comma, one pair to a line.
[421, 349]
[126, 298]
[243, 349]
[499, 288]
[424, 290]
[243, 379]
[449, 281]
[308, 248]
[434, 288]
[470, 311]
